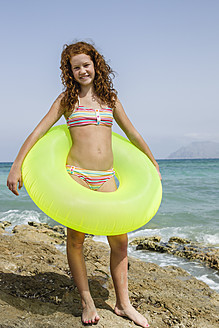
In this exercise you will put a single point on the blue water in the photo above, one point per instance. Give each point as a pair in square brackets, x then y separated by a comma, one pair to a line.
[189, 209]
[190, 204]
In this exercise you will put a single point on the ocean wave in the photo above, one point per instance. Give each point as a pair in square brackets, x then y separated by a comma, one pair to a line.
[194, 233]
[20, 217]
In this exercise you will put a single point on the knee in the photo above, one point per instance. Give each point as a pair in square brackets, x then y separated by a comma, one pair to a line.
[75, 239]
[118, 244]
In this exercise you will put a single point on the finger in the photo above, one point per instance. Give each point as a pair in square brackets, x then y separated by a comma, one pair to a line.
[8, 184]
[15, 192]
[13, 188]
[20, 183]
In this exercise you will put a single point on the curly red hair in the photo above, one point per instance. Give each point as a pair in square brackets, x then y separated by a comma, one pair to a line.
[102, 82]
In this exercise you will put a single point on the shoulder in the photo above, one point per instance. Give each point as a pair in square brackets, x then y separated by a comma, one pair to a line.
[58, 101]
[57, 109]
[122, 119]
[118, 106]
[59, 104]
[117, 103]
[60, 97]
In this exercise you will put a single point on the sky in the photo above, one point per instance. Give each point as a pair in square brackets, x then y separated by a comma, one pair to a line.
[165, 54]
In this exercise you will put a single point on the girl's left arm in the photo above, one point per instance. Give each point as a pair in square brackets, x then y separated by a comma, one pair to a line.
[133, 135]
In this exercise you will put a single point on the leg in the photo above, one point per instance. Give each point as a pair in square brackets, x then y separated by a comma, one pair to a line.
[119, 267]
[75, 240]
[76, 262]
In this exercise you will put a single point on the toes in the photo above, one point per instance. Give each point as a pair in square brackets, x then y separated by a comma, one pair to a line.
[97, 318]
[91, 321]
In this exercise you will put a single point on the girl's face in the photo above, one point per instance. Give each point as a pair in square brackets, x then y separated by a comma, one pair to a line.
[83, 69]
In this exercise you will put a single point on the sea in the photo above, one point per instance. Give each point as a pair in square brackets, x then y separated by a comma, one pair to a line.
[189, 209]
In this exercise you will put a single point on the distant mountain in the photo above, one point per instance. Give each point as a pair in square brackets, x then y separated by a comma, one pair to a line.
[204, 149]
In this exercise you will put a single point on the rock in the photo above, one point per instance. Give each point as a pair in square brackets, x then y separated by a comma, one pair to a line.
[60, 229]
[7, 266]
[179, 240]
[37, 291]
[140, 240]
[181, 247]
[39, 225]
[4, 224]
[39, 232]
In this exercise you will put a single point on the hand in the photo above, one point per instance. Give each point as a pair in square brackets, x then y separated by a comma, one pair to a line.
[14, 178]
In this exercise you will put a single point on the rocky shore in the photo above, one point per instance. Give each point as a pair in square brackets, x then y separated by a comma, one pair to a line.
[37, 291]
[180, 247]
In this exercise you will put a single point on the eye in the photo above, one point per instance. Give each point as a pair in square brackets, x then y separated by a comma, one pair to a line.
[76, 68]
[86, 65]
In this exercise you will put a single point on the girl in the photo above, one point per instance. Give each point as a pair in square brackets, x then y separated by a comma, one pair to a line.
[89, 104]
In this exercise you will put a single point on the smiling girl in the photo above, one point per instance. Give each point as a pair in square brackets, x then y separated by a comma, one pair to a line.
[89, 104]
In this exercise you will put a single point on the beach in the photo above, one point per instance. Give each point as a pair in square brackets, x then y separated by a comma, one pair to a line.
[170, 290]
[37, 289]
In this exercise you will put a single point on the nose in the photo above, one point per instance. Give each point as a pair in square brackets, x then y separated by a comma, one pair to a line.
[82, 70]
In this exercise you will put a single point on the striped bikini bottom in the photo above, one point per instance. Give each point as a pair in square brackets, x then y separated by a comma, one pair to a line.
[94, 179]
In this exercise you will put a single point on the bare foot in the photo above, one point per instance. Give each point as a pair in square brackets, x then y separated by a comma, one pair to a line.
[133, 315]
[89, 314]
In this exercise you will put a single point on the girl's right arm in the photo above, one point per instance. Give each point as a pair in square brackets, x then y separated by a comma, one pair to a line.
[46, 123]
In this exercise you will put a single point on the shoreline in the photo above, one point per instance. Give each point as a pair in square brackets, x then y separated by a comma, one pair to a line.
[161, 253]
[37, 289]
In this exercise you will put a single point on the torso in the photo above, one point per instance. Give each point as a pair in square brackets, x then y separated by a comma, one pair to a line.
[91, 137]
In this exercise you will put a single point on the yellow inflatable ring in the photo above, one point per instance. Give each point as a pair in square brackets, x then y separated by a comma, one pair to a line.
[131, 206]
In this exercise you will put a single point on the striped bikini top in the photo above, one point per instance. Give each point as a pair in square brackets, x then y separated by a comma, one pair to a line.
[86, 116]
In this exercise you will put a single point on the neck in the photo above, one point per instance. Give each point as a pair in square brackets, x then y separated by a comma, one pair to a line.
[87, 91]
